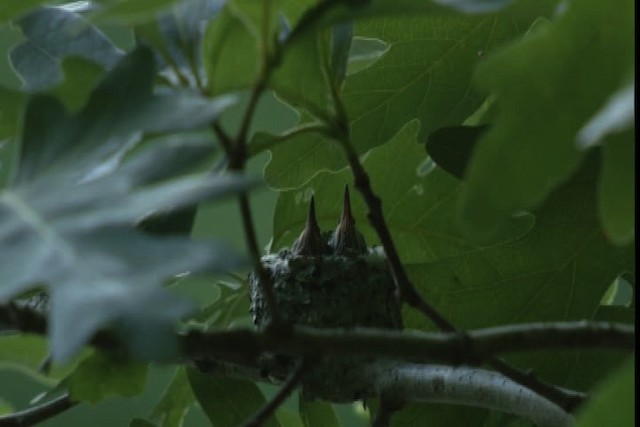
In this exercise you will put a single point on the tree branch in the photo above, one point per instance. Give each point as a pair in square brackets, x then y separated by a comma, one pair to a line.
[465, 386]
[240, 345]
[37, 414]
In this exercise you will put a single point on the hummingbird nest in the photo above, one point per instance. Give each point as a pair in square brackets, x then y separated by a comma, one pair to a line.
[328, 280]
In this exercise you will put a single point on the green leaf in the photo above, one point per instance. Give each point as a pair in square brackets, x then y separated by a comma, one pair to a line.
[364, 53]
[307, 56]
[451, 147]
[228, 402]
[417, 200]
[317, 414]
[297, 155]
[613, 401]
[559, 270]
[229, 51]
[74, 203]
[52, 34]
[5, 407]
[288, 418]
[438, 415]
[533, 141]
[98, 377]
[592, 366]
[616, 188]
[425, 74]
[175, 402]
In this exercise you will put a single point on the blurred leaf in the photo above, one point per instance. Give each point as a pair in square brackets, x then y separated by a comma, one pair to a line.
[5, 407]
[73, 205]
[26, 353]
[175, 402]
[228, 402]
[439, 415]
[474, 6]
[131, 11]
[341, 37]
[533, 140]
[613, 403]
[317, 414]
[80, 78]
[176, 35]
[451, 147]
[288, 418]
[98, 377]
[139, 422]
[617, 187]
[52, 34]
[616, 116]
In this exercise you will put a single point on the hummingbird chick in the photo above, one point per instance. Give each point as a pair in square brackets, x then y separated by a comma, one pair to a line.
[346, 239]
[310, 241]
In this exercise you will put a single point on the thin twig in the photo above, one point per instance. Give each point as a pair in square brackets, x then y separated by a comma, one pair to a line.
[38, 413]
[406, 290]
[223, 137]
[295, 377]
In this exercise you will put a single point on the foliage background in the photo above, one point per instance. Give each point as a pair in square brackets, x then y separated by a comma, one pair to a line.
[274, 118]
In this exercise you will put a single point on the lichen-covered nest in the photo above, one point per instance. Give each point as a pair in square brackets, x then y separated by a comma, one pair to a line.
[328, 280]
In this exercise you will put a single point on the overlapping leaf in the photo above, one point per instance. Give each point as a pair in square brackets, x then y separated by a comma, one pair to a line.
[558, 271]
[425, 73]
[52, 34]
[74, 201]
[570, 70]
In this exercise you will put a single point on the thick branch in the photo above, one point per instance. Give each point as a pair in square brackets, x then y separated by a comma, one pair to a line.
[465, 386]
[447, 348]
[246, 344]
